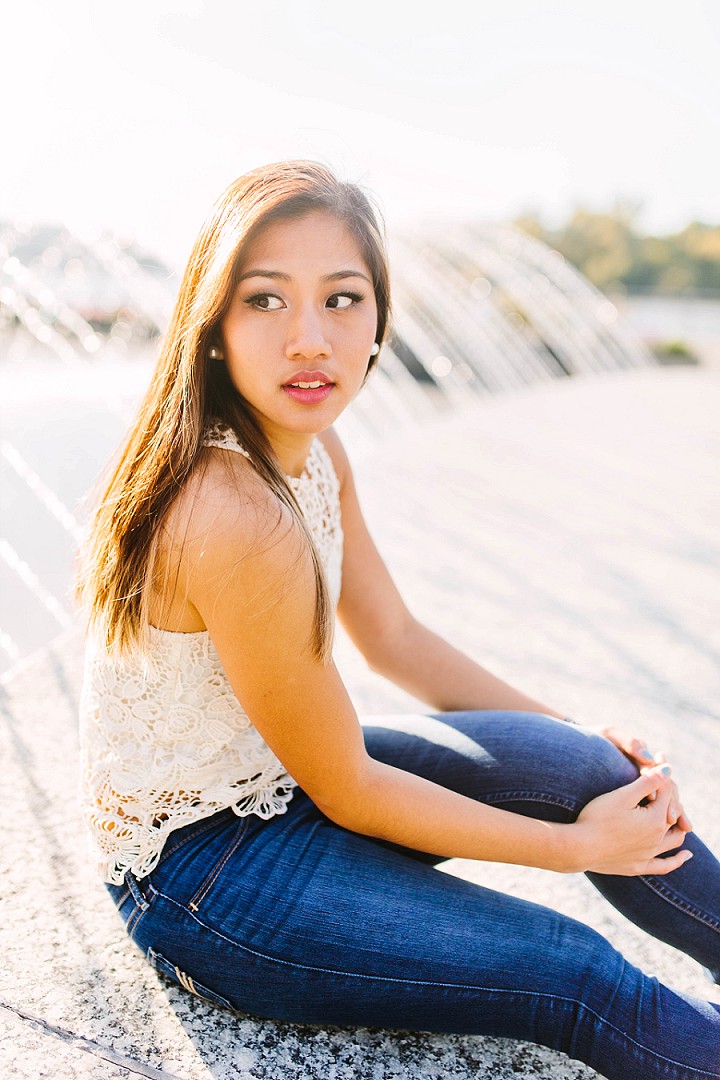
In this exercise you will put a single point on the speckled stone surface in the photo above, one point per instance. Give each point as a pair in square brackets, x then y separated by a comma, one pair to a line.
[566, 536]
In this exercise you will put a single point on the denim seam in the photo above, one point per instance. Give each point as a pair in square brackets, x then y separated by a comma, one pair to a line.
[531, 796]
[141, 904]
[170, 850]
[450, 986]
[119, 903]
[137, 894]
[186, 981]
[206, 885]
[680, 902]
[133, 921]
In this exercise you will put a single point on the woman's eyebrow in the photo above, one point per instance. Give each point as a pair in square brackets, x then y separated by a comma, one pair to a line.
[338, 275]
[264, 273]
[345, 274]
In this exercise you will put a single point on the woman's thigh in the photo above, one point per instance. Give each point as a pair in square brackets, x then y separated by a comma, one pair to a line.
[298, 919]
[545, 768]
[278, 916]
[527, 762]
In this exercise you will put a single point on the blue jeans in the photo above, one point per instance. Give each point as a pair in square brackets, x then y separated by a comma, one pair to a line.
[298, 919]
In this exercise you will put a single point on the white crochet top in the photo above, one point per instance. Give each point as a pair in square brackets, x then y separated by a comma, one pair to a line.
[164, 739]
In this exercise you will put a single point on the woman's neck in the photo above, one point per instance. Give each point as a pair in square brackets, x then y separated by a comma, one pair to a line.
[291, 449]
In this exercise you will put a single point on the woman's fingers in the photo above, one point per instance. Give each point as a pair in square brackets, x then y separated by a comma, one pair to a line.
[677, 816]
[675, 813]
[673, 838]
[632, 746]
[666, 865]
[637, 829]
[637, 750]
[649, 784]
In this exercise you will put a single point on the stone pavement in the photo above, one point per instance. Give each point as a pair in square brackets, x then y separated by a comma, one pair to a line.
[568, 536]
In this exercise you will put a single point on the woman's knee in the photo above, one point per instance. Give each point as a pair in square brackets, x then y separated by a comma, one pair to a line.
[557, 762]
[529, 761]
[605, 767]
[576, 760]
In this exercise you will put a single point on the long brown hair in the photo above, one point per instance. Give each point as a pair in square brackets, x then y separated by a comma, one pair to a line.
[188, 391]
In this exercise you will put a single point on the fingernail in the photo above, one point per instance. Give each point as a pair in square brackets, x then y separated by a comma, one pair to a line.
[645, 754]
[665, 770]
[688, 856]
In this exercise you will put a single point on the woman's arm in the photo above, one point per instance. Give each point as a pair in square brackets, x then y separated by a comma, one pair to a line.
[249, 575]
[399, 647]
[392, 640]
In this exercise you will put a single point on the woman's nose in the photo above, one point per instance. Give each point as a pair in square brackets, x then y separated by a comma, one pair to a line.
[306, 335]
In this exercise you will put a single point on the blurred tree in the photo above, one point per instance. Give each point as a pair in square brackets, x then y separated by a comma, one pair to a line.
[612, 252]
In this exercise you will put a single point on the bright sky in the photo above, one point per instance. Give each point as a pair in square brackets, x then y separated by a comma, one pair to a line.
[134, 116]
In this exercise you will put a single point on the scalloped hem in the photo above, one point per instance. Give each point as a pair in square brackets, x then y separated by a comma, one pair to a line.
[266, 804]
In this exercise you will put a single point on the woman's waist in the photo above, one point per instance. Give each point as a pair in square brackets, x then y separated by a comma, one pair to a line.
[130, 831]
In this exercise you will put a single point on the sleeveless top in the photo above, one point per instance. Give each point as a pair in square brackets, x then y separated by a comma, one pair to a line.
[164, 739]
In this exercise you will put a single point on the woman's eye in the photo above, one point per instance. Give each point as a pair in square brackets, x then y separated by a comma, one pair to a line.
[343, 300]
[265, 302]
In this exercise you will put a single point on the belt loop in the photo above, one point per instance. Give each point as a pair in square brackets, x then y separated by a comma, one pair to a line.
[137, 893]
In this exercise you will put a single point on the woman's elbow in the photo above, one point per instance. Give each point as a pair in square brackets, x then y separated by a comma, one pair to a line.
[348, 801]
[384, 651]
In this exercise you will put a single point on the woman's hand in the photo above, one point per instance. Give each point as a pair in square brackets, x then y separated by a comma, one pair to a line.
[630, 745]
[625, 831]
[636, 750]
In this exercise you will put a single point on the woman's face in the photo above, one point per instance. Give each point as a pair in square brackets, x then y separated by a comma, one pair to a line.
[301, 323]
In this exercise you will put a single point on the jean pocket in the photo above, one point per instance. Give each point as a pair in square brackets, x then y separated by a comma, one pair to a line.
[217, 866]
[175, 974]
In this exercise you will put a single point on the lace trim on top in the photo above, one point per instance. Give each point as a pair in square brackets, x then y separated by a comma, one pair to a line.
[165, 741]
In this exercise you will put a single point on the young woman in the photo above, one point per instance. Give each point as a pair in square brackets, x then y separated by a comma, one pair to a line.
[264, 849]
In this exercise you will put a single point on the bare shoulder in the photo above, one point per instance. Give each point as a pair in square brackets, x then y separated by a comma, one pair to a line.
[224, 511]
[226, 542]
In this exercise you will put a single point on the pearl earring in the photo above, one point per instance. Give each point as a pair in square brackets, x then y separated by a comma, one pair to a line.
[214, 353]
[375, 349]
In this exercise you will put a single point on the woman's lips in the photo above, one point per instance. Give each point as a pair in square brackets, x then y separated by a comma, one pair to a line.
[308, 387]
[308, 394]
